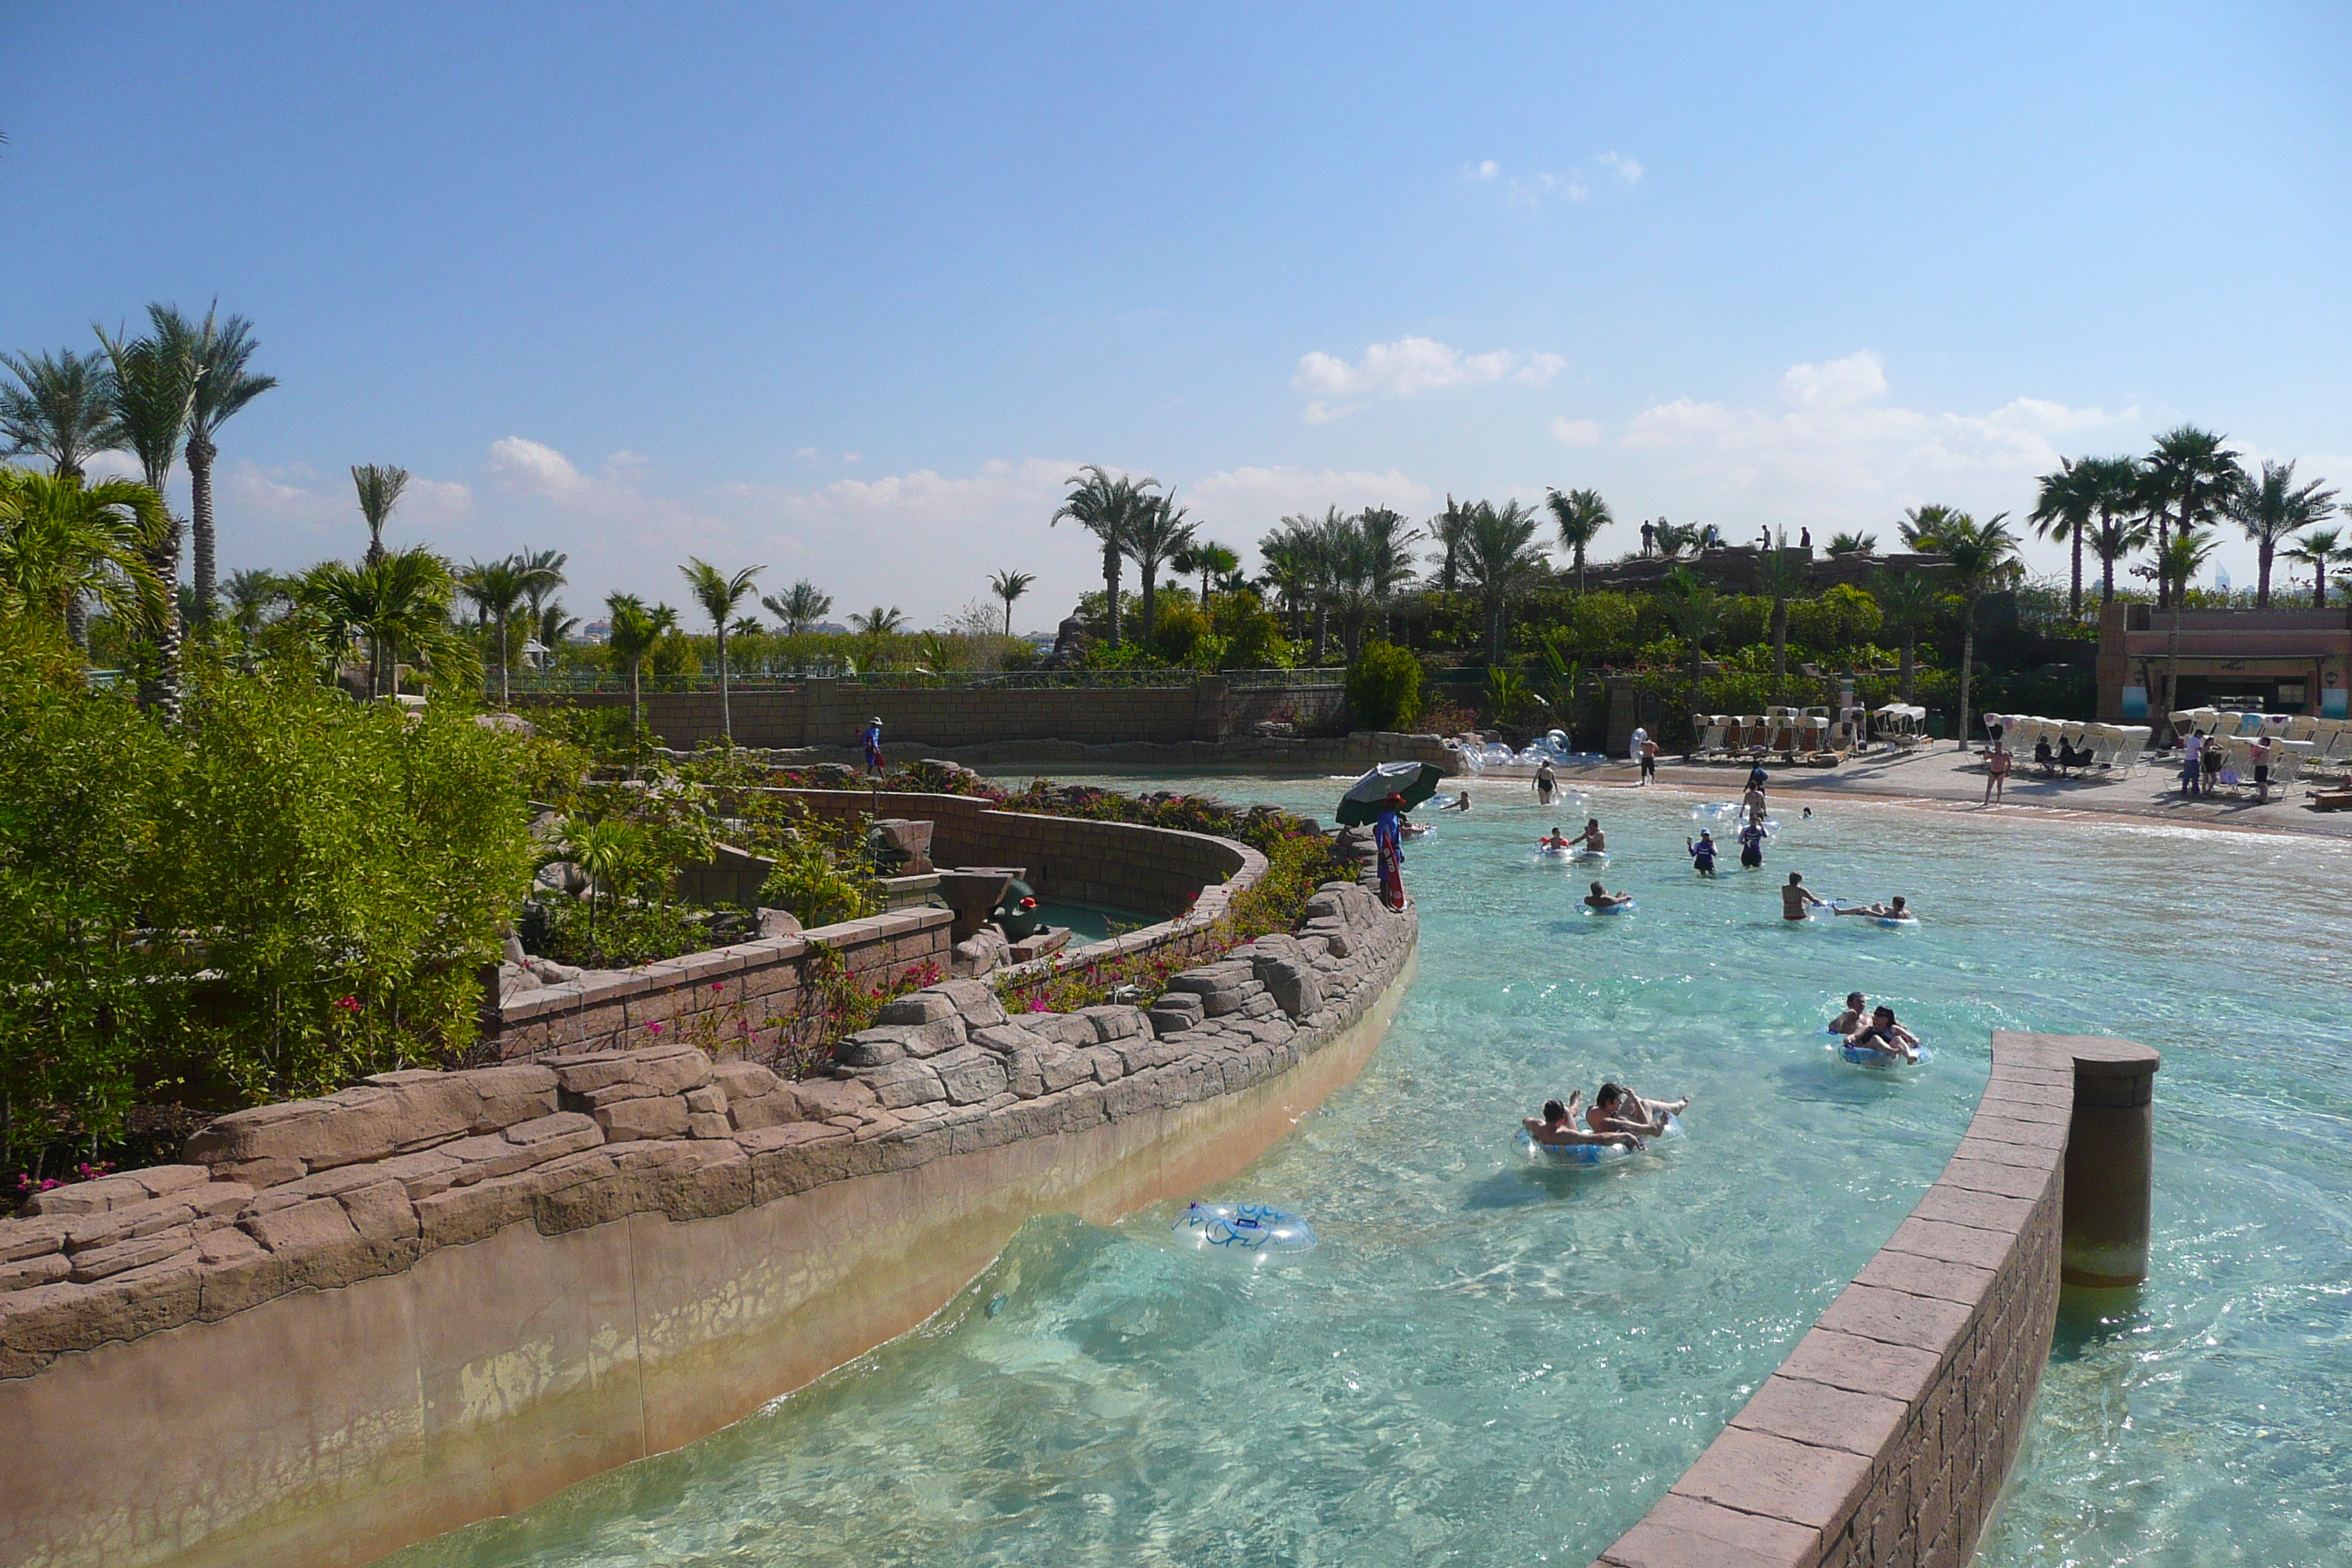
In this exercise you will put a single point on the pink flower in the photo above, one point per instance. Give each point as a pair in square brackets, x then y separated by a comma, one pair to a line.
[652, 1028]
[718, 985]
[348, 1004]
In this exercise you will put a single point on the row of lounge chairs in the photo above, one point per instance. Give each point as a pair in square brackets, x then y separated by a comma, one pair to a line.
[2302, 745]
[1804, 737]
[2077, 746]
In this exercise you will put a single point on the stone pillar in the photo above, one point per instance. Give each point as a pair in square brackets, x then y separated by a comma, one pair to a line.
[2110, 1172]
[1210, 719]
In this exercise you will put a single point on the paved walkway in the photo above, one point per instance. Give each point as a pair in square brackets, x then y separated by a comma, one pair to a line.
[1940, 775]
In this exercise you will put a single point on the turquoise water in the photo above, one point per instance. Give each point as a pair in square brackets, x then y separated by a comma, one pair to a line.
[1090, 922]
[1487, 1363]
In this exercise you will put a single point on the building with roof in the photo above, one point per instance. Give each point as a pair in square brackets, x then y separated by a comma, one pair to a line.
[2268, 661]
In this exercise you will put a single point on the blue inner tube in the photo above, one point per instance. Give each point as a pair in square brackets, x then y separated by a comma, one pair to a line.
[1243, 1227]
[1548, 853]
[1587, 855]
[1870, 1056]
[1585, 1156]
[1624, 909]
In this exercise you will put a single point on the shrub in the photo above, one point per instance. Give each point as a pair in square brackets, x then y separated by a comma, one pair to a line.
[1384, 687]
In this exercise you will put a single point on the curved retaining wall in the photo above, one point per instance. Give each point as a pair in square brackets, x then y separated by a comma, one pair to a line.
[348, 1324]
[1884, 1436]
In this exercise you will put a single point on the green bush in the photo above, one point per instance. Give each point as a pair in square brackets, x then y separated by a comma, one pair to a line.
[1384, 687]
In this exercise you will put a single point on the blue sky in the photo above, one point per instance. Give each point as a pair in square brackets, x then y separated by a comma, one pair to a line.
[849, 292]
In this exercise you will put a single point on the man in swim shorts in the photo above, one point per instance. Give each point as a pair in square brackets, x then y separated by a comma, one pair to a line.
[1895, 909]
[1887, 1036]
[1856, 1014]
[1461, 802]
[1616, 1109]
[1592, 838]
[1601, 898]
[1557, 1129]
[1701, 853]
[1997, 765]
[1796, 902]
[1649, 751]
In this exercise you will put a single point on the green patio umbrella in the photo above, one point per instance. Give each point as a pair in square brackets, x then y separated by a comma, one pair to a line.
[1416, 782]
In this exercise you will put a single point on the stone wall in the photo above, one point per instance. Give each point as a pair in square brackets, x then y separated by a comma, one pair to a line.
[832, 712]
[344, 1324]
[1886, 1435]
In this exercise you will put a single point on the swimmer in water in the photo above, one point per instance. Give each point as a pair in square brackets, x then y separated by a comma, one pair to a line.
[1856, 1014]
[1894, 908]
[1887, 1036]
[1461, 802]
[1796, 902]
[1557, 843]
[1592, 838]
[1752, 846]
[1701, 853]
[1601, 898]
[1616, 1109]
[1556, 1128]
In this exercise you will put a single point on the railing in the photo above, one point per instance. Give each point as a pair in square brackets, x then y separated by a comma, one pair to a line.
[571, 682]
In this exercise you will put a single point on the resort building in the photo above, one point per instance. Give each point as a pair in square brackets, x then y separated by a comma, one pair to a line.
[2268, 661]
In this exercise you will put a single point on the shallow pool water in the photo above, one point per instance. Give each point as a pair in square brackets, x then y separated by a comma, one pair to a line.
[1486, 1362]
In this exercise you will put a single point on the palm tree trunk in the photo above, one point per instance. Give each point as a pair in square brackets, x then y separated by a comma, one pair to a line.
[2172, 657]
[1968, 663]
[1780, 650]
[1910, 664]
[1110, 592]
[1495, 632]
[2319, 585]
[726, 717]
[503, 698]
[2263, 574]
[636, 706]
[2075, 589]
[201, 453]
[2107, 580]
[1322, 629]
[2163, 538]
[1151, 599]
[77, 621]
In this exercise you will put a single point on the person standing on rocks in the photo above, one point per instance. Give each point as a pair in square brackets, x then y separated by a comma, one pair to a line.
[1388, 838]
[871, 739]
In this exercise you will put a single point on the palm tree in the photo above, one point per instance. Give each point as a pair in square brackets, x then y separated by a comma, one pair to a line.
[634, 632]
[1982, 555]
[1213, 561]
[251, 595]
[1696, 613]
[1922, 526]
[799, 608]
[2189, 481]
[155, 388]
[1107, 507]
[401, 601]
[547, 569]
[2315, 549]
[1853, 544]
[2115, 488]
[878, 623]
[2274, 508]
[1009, 586]
[1289, 570]
[1580, 515]
[1388, 557]
[220, 351]
[62, 544]
[61, 408]
[719, 594]
[1780, 577]
[552, 627]
[1155, 530]
[2063, 508]
[1499, 560]
[499, 589]
[1909, 603]
[1448, 527]
[2181, 559]
[379, 486]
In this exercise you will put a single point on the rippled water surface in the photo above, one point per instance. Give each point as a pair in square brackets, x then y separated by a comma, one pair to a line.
[1485, 1362]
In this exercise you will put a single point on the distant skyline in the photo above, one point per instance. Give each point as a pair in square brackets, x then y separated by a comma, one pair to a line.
[851, 292]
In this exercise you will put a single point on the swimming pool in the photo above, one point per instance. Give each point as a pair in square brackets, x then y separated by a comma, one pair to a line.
[1489, 1363]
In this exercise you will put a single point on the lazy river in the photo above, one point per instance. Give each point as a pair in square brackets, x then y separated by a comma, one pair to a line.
[1486, 1362]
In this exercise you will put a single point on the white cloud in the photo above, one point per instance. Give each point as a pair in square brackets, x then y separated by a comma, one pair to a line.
[527, 468]
[1410, 366]
[1626, 169]
[1536, 187]
[1576, 432]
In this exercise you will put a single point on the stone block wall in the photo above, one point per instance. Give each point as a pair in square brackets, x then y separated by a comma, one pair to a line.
[1884, 1436]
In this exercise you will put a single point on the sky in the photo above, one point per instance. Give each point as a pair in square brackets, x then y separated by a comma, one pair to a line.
[849, 293]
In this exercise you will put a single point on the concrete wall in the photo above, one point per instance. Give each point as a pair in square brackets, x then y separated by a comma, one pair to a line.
[1886, 1435]
[833, 713]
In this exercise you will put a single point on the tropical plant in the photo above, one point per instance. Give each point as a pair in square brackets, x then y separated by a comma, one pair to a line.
[1289, 559]
[1211, 560]
[1853, 544]
[379, 485]
[1983, 556]
[1695, 612]
[1345, 566]
[1155, 530]
[61, 408]
[2114, 487]
[1672, 538]
[155, 386]
[2063, 506]
[400, 602]
[2189, 480]
[719, 594]
[553, 627]
[1580, 516]
[1384, 687]
[500, 589]
[1922, 526]
[219, 352]
[799, 607]
[1107, 507]
[546, 569]
[634, 631]
[251, 595]
[877, 621]
[2316, 549]
[1447, 527]
[2183, 555]
[62, 544]
[1499, 561]
[1009, 586]
[1387, 556]
[1781, 576]
[1909, 603]
[2272, 509]
[616, 856]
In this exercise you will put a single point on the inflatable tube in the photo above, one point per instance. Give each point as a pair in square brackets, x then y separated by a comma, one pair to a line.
[1545, 852]
[1877, 1060]
[1589, 857]
[1886, 922]
[1624, 909]
[1584, 1156]
[1243, 1227]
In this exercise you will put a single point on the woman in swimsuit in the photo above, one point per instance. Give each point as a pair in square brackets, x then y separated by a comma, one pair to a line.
[1887, 1036]
[1701, 853]
[1557, 1127]
[1751, 846]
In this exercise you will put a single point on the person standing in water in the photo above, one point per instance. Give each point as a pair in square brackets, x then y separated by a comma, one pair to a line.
[1388, 839]
[1751, 846]
[1797, 902]
[1649, 761]
[1545, 783]
[1592, 838]
[1997, 765]
[1701, 853]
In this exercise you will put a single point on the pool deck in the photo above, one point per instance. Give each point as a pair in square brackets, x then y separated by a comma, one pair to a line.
[1941, 776]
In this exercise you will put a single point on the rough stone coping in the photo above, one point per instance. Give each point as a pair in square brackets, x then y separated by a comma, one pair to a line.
[710, 963]
[1780, 1486]
[320, 1194]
